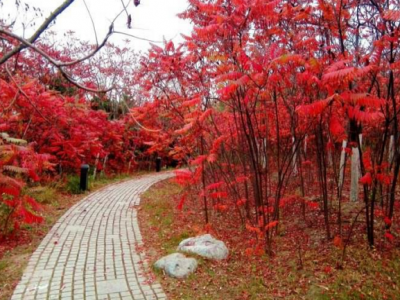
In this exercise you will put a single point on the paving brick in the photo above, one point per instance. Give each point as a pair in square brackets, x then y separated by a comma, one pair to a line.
[90, 253]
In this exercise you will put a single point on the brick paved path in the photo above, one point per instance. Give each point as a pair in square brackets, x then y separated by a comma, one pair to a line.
[92, 251]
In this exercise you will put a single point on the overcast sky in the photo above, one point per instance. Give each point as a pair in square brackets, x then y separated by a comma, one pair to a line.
[152, 19]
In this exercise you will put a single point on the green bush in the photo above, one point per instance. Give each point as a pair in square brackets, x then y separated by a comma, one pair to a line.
[73, 184]
[43, 194]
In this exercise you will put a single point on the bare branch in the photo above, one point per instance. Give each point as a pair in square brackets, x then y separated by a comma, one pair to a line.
[91, 20]
[60, 65]
[123, 4]
[120, 13]
[74, 62]
[27, 43]
[38, 32]
[137, 37]
[78, 85]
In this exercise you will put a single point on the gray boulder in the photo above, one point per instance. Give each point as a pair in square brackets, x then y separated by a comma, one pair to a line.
[205, 246]
[177, 265]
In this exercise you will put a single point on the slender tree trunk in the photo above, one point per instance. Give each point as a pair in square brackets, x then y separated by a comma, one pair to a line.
[203, 181]
[294, 160]
[355, 174]
[95, 166]
[342, 164]
[391, 149]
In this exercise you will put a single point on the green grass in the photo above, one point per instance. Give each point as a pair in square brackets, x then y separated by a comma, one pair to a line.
[102, 180]
[43, 194]
[73, 184]
[3, 265]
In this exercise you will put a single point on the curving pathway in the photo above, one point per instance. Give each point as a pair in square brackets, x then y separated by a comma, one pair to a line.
[93, 251]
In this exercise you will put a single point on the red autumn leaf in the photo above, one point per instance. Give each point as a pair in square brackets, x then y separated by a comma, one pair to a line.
[338, 242]
[215, 185]
[183, 176]
[336, 128]
[384, 178]
[387, 221]
[312, 205]
[12, 191]
[252, 229]
[248, 252]
[28, 217]
[389, 236]
[241, 202]
[32, 203]
[212, 158]
[219, 195]
[199, 160]
[348, 150]
[241, 179]
[33, 175]
[271, 225]
[392, 15]
[192, 102]
[181, 202]
[221, 207]
[366, 179]
[16, 225]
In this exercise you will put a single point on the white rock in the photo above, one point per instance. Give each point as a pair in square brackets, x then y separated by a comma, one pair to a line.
[206, 246]
[177, 265]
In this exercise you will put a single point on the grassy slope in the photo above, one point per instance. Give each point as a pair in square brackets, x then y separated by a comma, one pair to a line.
[367, 274]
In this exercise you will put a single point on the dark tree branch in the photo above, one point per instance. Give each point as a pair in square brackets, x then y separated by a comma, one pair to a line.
[123, 4]
[80, 86]
[91, 20]
[29, 44]
[38, 32]
[137, 37]
[60, 65]
[79, 60]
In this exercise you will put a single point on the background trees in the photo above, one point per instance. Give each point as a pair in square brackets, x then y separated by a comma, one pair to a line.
[56, 113]
[260, 99]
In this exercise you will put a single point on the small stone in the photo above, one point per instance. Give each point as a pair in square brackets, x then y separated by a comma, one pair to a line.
[206, 246]
[177, 265]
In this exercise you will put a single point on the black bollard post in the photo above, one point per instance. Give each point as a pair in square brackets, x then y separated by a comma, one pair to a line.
[158, 164]
[84, 177]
